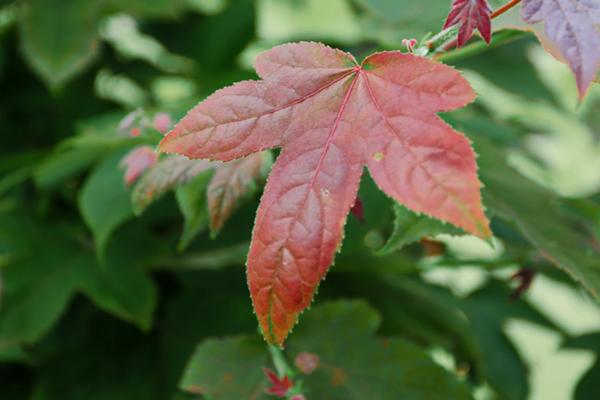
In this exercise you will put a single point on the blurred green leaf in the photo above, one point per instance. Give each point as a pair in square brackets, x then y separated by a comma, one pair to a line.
[122, 32]
[104, 200]
[536, 213]
[587, 387]
[48, 266]
[120, 89]
[286, 20]
[59, 38]
[228, 369]
[207, 6]
[410, 227]
[390, 21]
[355, 364]
[147, 8]
[191, 199]
[112, 361]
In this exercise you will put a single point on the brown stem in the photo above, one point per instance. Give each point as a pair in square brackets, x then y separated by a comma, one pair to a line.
[495, 14]
[505, 8]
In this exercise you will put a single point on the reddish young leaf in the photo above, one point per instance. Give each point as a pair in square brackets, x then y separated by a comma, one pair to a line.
[332, 117]
[572, 26]
[279, 386]
[164, 176]
[232, 182]
[137, 161]
[470, 15]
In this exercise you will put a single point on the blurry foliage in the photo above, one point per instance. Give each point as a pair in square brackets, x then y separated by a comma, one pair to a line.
[98, 303]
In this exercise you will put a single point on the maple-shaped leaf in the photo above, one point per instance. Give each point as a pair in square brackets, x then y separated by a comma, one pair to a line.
[572, 26]
[332, 117]
[280, 387]
[470, 15]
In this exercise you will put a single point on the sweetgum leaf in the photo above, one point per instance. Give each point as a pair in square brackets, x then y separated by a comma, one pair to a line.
[333, 117]
[470, 15]
[571, 25]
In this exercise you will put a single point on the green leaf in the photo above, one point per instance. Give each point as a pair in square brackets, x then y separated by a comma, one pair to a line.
[59, 38]
[120, 285]
[410, 227]
[114, 363]
[355, 364]
[59, 166]
[488, 310]
[587, 388]
[192, 202]
[536, 213]
[228, 369]
[104, 200]
[122, 32]
[147, 8]
[390, 21]
[284, 20]
[207, 6]
[47, 266]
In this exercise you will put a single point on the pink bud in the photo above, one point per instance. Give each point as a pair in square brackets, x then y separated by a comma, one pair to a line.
[409, 44]
[162, 122]
[299, 397]
[135, 132]
[128, 122]
[307, 362]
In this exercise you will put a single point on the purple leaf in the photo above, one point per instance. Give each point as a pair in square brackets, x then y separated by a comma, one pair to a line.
[571, 26]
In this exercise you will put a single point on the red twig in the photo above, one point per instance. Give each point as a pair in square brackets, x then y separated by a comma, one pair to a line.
[505, 8]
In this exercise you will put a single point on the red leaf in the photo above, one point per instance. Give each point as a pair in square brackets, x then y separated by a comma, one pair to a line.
[137, 161]
[164, 176]
[232, 182]
[470, 15]
[332, 117]
[571, 25]
[358, 210]
[279, 386]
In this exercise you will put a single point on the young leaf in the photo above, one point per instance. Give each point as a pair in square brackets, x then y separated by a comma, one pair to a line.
[234, 181]
[137, 161]
[571, 25]
[164, 176]
[410, 227]
[332, 117]
[470, 15]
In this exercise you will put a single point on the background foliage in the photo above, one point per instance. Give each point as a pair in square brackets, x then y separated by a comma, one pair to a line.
[109, 291]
